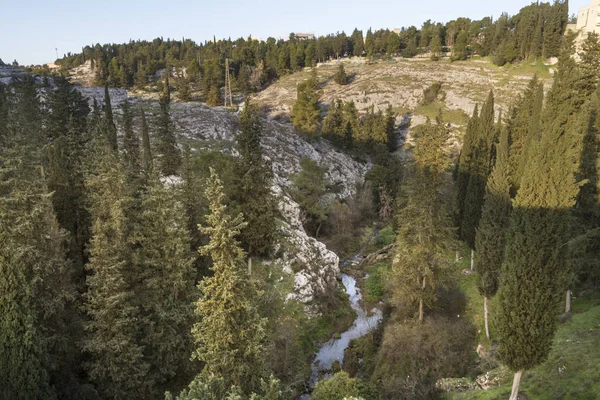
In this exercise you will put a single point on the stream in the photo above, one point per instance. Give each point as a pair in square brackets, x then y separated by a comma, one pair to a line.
[334, 349]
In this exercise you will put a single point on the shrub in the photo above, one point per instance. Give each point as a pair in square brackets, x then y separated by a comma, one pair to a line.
[431, 93]
[340, 76]
[336, 388]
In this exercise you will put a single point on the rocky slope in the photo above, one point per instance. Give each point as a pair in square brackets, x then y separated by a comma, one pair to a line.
[315, 268]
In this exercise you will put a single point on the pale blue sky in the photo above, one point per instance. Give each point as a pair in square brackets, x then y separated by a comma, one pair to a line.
[31, 30]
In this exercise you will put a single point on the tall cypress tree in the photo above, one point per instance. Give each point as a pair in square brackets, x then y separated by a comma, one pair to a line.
[463, 168]
[491, 234]
[230, 333]
[170, 156]
[425, 224]
[532, 281]
[479, 170]
[254, 176]
[116, 363]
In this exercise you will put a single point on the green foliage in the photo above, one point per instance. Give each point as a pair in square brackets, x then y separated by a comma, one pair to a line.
[116, 361]
[424, 224]
[490, 238]
[340, 76]
[230, 334]
[168, 152]
[532, 281]
[131, 143]
[309, 188]
[431, 93]
[306, 113]
[479, 166]
[164, 292]
[253, 180]
[108, 126]
[337, 387]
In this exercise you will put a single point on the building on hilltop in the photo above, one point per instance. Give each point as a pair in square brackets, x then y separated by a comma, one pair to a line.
[304, 36]
[588, 21]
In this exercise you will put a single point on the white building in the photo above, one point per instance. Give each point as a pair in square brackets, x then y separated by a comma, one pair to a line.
[588, 20]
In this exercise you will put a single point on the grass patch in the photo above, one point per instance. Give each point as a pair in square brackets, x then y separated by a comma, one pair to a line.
[374, 286]
[455, 117]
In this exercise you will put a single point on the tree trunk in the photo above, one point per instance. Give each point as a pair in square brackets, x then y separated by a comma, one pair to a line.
[457, 258]
[472, 260]
[249, 265]
[485, 316]
[514, 395]
[568, 302]
[421, 302]
[318, 229]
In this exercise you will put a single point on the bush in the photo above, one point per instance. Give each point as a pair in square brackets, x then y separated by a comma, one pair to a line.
[413, 357]
[336, 388]
[431, 93]
[340, 76]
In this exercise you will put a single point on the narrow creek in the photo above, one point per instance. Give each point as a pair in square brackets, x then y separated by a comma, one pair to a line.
[333, 350]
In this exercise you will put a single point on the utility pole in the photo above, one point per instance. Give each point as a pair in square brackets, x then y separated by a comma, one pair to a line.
[228, 84]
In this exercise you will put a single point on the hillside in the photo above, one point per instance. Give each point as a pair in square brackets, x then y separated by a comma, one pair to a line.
[400, 83]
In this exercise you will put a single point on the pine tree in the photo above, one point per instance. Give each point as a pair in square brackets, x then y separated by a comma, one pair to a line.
[390, 129]
[147, 161]
[36, 289]
[340, 76]
[306, 113]
[230, 333]
[490, 238]
[358, 43]
[425, 225]
[170, 156]
[110, 130]
[253, 177]
[309, 188]
[67, 133]
[479, 169]
[532, 282]
[116, 363]
[164, 286]
[435, 47]
[131, 142]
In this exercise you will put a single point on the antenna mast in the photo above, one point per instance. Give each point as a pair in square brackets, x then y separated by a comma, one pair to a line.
[228, 84]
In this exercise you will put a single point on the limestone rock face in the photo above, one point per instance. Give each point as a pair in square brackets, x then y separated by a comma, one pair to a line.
[315, 268]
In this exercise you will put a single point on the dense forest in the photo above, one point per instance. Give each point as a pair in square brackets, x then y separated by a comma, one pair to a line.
[534, 32]
[135, 266]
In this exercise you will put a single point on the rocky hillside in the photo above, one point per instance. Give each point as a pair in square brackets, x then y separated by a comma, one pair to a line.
[315, 268]
[400, 82]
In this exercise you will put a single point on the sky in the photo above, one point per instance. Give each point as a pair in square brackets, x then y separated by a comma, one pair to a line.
[33, 29]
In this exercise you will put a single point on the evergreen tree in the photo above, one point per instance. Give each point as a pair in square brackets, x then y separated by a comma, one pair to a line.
[131, 142]
[309, 188]
[253, 181]
[116, 363]
[463, 168]
[357, 43]
[369, 44]
[306, 113]
[532, 282]
[147, 161]
[390, 129]
[425, 226]
[170, 156]
[523, 126]
[340, 76]
[490, 238]
[38, 321]
[460, 47]
[110, 130]
[230, 333]
[164, 286]
[435, 47]
[479, 170]
[67, 133]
